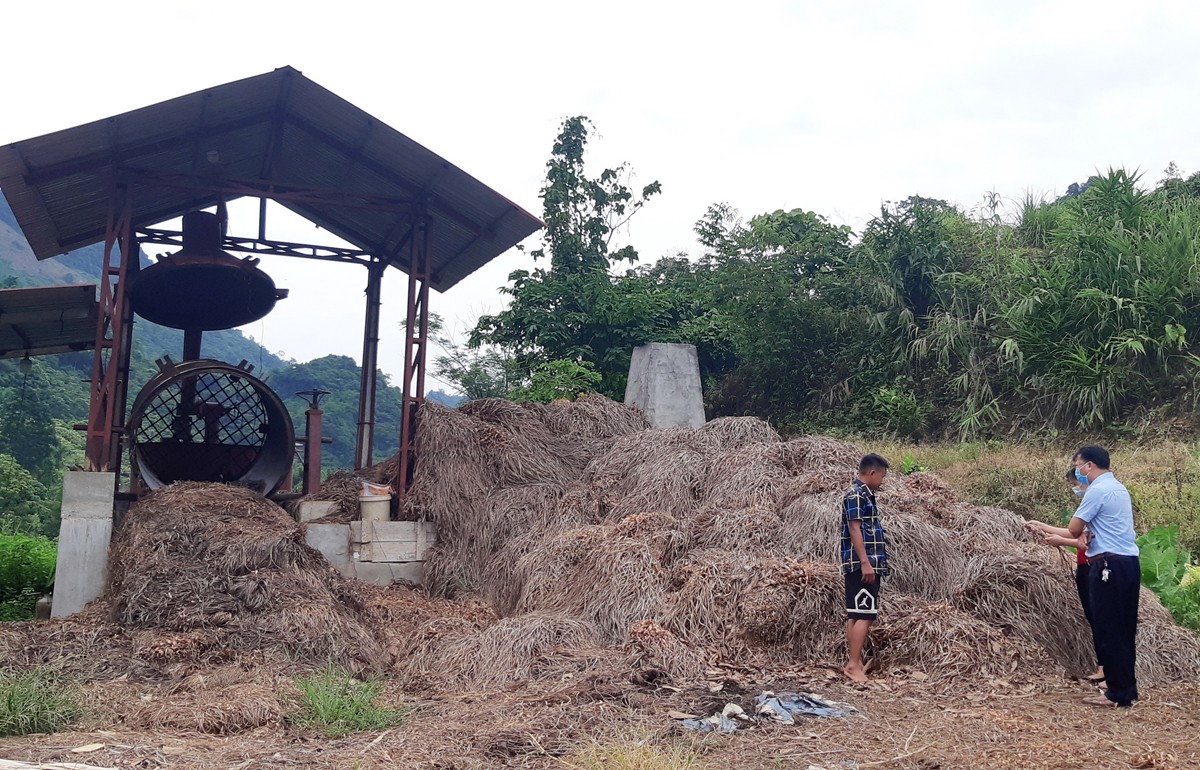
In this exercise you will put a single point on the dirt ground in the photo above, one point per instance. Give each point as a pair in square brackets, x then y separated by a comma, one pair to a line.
[901, 723]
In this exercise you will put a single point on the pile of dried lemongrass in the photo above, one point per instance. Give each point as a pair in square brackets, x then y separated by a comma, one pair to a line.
[722, 540]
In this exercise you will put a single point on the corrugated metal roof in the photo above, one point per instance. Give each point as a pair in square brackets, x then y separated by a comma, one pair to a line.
[280, 128]
[47, 319]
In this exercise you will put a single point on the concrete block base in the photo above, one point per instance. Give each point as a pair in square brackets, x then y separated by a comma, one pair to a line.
[664, 382]
[87, 521]
[314, 509]
[343, 547]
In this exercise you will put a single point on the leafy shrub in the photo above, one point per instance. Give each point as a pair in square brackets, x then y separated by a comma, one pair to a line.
[26, 572]
[560, 379]
[1167, 570]
[337, 704]
[899, 411]
[36, 701]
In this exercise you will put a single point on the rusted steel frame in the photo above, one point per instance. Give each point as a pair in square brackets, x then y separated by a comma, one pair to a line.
[261, 246]
[313, 418]
[253, 188]
[369, 382]
[416, 335]
[114, 327]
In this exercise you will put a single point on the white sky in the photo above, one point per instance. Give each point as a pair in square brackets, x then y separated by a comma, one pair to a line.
[833, 107]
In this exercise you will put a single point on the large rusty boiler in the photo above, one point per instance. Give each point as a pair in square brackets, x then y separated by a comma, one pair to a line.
[206, 420]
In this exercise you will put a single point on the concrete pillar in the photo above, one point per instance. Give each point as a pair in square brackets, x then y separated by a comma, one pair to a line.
[664, 382]
[87, 518]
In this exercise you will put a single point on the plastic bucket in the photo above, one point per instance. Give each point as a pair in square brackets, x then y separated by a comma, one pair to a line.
[376, 508]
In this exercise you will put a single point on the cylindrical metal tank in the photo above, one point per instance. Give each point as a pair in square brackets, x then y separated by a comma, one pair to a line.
[210, 421]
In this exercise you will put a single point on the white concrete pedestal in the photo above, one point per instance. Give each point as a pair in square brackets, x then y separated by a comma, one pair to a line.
[87, 519]
[664, 382]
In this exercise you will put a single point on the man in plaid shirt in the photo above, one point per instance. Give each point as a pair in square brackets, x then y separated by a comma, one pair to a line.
[864, 558]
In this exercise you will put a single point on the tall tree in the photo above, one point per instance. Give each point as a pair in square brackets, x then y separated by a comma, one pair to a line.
[569, 309]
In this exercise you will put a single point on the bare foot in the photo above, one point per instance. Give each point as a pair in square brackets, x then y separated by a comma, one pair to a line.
[855, 673]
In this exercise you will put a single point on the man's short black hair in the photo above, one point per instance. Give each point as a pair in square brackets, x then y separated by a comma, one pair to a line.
[871, 462]
[1094, 454]
[1071, 474]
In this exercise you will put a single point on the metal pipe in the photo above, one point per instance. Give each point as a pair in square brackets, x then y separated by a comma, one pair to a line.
[368, 383]
[312, 450]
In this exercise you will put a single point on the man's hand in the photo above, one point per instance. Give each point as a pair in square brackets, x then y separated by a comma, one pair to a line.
[868, 573]
[1033, 525]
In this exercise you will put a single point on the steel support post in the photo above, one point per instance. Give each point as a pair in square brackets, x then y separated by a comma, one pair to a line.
[370, 367]
[114, 329]
[416, 335]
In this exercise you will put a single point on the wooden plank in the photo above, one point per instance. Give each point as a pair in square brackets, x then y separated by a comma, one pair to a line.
[383, 551]
[393, 532]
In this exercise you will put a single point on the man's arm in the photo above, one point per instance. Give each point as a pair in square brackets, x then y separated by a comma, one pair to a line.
[1042, 528]
[1076, 527]
[854, 526]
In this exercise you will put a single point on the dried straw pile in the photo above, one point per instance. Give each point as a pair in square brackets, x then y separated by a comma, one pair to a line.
[582, 529]
[216, 567]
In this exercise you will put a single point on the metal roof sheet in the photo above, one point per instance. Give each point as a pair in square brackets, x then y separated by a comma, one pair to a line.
[47, 319]
[280, 128]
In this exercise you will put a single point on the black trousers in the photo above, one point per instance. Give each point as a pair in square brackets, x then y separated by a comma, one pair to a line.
[1114, 618]
[1081, 585]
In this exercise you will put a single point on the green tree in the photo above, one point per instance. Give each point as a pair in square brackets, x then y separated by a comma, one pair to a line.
[482, 371]
[571, 309]
[25, 507]
[27, 431]
[560, 379]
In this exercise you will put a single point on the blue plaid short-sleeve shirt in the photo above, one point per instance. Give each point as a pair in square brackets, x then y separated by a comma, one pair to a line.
[858, 504]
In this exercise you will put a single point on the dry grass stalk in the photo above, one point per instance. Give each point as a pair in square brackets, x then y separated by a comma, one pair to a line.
[1030, 594]
[707, 586]
[510, 650]
[221, 559]
[949, 645]
[811, 527]
[731, 433]
[342, 487]
[655, 470]
[755, 475]
[653, 647]
[609, 580]
[222, 711]
[985, 528]
[798, 604]
[924, 560]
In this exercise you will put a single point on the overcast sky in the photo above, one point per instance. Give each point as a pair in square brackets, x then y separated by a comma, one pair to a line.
[831, 107]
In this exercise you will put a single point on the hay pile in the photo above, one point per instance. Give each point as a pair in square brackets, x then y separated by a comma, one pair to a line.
[582, 530]
[211, 568]
[574, 543]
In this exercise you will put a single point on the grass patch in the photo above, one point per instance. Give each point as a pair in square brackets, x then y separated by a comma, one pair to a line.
[634, 754]
[337, 704]
[36, 701]
[1163, 478]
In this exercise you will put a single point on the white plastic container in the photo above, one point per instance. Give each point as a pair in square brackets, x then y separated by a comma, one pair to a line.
[375, 508]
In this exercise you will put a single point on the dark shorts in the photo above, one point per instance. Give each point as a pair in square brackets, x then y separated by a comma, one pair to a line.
[862, 601]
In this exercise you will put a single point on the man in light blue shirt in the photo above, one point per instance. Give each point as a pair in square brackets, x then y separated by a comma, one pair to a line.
[1115, 574]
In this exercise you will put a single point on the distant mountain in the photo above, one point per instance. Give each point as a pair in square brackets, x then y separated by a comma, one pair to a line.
[443, 398]
[84, 265]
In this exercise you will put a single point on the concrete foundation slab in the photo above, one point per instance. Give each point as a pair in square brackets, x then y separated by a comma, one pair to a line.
[87, 519]
[333, 541]
[664, 382]
[385, 573]
[314, 509]
[342, 546]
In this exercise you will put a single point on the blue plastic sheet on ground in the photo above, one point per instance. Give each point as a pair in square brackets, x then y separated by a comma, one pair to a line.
[785, 706]
[781, 707]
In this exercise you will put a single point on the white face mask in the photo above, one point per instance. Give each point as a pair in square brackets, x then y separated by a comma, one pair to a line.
[1078, 491]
